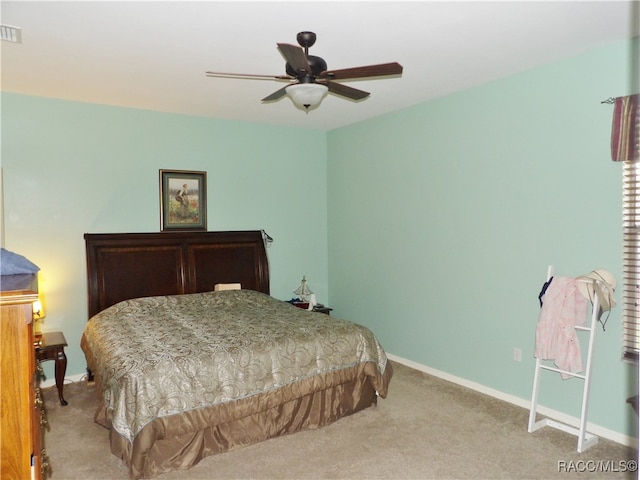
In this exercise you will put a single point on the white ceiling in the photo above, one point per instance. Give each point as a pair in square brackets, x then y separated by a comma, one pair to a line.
[153, 55]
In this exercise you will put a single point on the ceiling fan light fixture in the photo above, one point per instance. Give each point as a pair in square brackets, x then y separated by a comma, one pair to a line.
[307, 95]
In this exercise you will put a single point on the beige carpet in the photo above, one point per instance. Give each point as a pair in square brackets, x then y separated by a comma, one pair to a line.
[427, 428]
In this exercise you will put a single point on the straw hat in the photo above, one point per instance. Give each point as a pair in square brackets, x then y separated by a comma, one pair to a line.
[604, 286]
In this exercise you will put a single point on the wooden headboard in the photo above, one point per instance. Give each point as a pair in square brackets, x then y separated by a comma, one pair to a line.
[121, 266]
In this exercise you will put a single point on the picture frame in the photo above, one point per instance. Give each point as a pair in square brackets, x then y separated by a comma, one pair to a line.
[183, 200]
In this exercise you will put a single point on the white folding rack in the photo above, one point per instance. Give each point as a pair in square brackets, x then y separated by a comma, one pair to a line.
[585, 439]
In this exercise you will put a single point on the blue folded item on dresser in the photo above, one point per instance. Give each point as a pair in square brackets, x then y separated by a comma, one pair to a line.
[13, 264]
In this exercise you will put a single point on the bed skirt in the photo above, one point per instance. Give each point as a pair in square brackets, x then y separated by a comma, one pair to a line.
[180, 441]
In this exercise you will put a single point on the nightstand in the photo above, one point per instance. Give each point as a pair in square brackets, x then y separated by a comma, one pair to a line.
[51, 347]
[322, 309]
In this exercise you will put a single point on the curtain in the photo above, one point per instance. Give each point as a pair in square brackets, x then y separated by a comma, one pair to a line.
[625, 148]
[625, 130]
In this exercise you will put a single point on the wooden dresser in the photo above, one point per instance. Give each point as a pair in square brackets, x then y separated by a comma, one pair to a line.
[22, 456]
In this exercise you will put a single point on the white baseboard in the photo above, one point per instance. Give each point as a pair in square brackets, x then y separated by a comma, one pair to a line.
[548, 412]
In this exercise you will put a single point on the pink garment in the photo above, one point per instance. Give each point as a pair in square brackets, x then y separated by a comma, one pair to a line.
[563, 308]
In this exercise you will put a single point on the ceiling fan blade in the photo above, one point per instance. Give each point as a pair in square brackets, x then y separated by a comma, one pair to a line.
[345, 91]
[248, 76]
[275, 95]
[295, 57]
[383, 69]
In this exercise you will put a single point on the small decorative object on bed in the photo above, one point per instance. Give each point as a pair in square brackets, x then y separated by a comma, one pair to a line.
[185, 376]
[183, 200]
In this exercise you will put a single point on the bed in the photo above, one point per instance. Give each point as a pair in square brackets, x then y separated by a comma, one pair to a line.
[184, 372]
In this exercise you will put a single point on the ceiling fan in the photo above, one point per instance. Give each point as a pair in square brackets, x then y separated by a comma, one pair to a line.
[308, 77]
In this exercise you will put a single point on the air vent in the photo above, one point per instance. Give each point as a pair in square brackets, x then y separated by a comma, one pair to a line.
[10, 34]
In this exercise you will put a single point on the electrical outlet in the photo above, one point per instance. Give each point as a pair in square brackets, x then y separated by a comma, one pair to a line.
[517, 354]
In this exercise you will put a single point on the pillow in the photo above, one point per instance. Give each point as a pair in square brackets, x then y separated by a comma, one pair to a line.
[226, 286]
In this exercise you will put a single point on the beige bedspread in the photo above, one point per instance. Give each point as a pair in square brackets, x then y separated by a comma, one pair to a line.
[158, 356]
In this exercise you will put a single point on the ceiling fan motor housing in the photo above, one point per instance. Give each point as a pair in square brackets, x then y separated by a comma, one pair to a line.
[317, 64]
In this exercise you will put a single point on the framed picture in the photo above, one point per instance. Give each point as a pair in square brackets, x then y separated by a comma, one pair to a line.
[183, 200]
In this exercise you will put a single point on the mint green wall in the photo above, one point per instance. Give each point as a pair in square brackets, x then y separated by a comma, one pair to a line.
[441, 218]
[71, 168]
[444, 217]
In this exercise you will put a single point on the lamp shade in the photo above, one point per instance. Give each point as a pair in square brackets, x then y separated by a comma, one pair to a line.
[307, 94]
[38, 311]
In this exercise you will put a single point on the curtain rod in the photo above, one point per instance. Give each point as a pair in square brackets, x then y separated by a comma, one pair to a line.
[609, 100]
